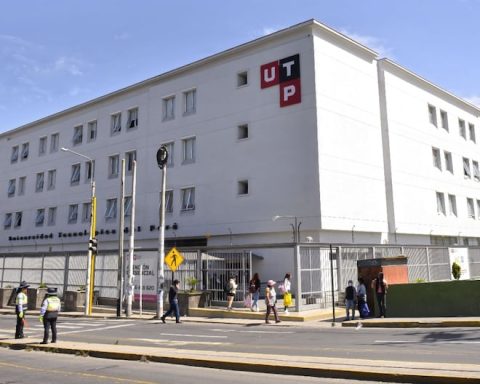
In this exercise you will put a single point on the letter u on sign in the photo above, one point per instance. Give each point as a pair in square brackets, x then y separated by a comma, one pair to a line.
[269, 74]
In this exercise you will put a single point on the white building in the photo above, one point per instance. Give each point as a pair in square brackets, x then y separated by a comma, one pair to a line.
[357, 148]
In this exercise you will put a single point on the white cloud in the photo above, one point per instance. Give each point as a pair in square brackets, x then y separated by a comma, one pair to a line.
[371, 42]
[475, 100]
[69, 65]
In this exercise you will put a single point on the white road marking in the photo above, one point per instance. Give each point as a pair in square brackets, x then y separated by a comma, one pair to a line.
[167, 342]
[98, 329]
[236, 331]
[200, 336]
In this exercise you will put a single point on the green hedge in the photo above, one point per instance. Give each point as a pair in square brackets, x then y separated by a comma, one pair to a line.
[442, 298]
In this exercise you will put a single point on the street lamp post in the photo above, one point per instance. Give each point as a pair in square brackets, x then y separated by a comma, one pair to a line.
[162, 158]
[92, 242]
[295, 226]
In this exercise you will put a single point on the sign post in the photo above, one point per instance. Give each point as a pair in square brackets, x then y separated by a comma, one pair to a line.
[162, 158]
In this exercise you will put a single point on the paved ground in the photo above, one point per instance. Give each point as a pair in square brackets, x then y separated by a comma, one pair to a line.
[318, 366]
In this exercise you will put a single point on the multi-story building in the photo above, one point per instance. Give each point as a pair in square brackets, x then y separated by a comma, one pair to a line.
[304, 122]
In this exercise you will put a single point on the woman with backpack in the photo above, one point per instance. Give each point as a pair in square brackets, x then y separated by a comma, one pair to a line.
[231, 289]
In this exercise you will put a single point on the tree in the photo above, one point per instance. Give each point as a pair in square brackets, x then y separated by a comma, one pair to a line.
[456, 270]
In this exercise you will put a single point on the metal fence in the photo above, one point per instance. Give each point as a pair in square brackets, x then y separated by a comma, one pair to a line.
[313, 274]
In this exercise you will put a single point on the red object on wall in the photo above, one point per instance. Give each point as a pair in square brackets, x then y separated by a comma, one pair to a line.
[290, 93]
[269, 74]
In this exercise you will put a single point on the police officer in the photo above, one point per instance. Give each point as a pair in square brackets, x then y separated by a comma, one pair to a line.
[49, 313]
[21, 306]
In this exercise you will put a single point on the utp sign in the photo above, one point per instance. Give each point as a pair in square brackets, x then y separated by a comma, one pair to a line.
[286, 73]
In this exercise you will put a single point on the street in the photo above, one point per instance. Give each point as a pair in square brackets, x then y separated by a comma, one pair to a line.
[24, 367]
[427, 345]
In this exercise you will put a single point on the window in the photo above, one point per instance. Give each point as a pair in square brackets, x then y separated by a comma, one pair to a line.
[113, 166]
[86, 212]
[40, 182]
[92, 131]
[169, 108]
[78, 135]
[444, 119]
[72, 213]
[127, 206]
[168, 201]
[188, 150]
[242, 132]
[440, 203]
[242, 79]
[470, 208]
[466, 168]
[437, 161]
[14, 156]
[452, 201]
[461, 128]
[478, 209]
[432, 115]
[18, 220]
[7, 222]
[51, 179]
[40, 217]
[476, 170]
[11, 187]
[25, 148]
[448, 161]
[89, 170]
[190, 102]
[130, 157]
[42, 146]
[54, 141]
[116, 123]
[170, 150]
[52, 215]
[188, 199]
[471, 132]
[132, 118]
[242, 187]
[75, 178]
[21, 185]
[111, 211]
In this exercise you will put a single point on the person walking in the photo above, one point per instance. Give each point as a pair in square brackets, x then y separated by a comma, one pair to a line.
[21, 306]
[380, 286]
[270, 301]
[49, 314]
[287, 296]
[173, 301]
[350, 298]
[231, 291]
[254, 290]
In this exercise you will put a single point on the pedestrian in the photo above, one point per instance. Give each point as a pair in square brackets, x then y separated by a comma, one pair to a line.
[380, 286]
[21, 306]
[254, 290]
[362, 299]
[231, 290]
[173, 301]
[270, 301]
[287, 296]
[350, 298]
[49, 314]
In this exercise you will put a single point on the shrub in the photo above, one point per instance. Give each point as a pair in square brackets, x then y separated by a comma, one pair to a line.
[456, 270]
[192, 283]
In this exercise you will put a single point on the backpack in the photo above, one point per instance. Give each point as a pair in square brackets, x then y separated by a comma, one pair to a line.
[350, 293]
[281, 288]
[252, 288]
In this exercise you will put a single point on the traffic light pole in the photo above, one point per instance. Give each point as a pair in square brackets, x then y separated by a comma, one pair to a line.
[92, 250]
[162, 157]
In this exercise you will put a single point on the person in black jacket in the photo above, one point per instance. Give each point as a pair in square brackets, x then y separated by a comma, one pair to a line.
[173, 300]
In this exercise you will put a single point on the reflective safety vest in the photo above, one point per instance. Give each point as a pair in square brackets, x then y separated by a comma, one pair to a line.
[21, 302]
[53, 304]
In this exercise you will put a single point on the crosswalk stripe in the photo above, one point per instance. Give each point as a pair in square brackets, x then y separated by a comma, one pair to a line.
[167, 342]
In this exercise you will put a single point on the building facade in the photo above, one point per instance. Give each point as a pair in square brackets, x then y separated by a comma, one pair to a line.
[304, 124]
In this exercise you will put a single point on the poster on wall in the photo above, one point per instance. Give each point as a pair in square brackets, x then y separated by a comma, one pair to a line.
[148, 261]
[460, 255]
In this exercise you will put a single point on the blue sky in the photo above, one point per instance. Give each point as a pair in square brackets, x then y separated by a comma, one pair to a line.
[58, 53]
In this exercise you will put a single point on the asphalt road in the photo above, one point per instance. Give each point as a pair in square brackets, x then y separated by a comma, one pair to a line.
[429, 345]
[44, 368]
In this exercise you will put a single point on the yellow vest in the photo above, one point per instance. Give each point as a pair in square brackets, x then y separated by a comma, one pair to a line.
[53, 304]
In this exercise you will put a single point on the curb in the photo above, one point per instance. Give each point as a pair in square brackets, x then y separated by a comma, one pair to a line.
[319, 367]
[414, 324]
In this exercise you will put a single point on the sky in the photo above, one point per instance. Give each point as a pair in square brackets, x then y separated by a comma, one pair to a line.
[55, 54]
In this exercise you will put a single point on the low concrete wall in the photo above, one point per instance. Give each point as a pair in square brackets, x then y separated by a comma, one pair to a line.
[443, 298]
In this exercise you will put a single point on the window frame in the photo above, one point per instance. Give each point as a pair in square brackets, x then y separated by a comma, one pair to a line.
[86, 212]
[471, 132]
[40, 215]
[467, 172]
[25, 151]
[168, 108]
[447, 156]
[189, 152]
[452, 202]
[111, 209]
[17, 223]
[444, 119]
[52, 216]
[75, 174]
[115, 123]
[432, 115]
[187, 198]
[77, 138]
[462, 128]
[189, 102]
[132, 118]
[470, 208]
[437, 158]
[22, 181]
[441, 208]
[42, 145]
[12, 187]
[243, 187]
[92, 126]
[40, 182]
[242, 79]
[8, 220]
[113, 166]
[130, 157]
[15, 154]
[72, 217]
[54, 142]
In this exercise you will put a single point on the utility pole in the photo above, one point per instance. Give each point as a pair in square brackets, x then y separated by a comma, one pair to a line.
[162, 158]
[121, 226]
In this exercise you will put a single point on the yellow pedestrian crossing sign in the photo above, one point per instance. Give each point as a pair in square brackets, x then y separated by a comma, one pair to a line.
[174, 259]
